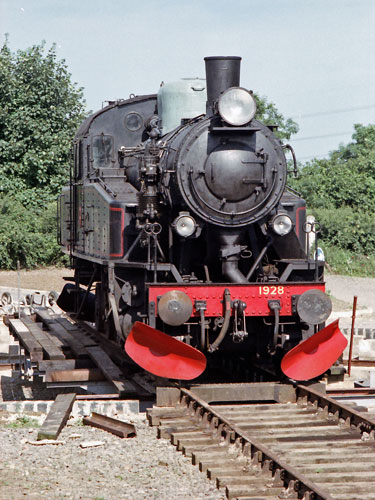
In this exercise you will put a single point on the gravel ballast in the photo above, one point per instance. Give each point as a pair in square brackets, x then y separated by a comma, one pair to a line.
[138, 468]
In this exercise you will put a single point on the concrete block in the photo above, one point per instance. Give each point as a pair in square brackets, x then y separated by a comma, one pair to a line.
[43, 407]
[355, 353]
[367, 349]
[80, 408]
[29, 407]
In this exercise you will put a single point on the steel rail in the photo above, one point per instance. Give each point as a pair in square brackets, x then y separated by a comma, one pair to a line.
[342, 412]
[290, 476]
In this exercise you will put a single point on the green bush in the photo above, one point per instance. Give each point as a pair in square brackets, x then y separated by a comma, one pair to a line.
[40, 110]
[339, 190]
[28, 235]
[348, 229]
[345, 179]
[341, 261]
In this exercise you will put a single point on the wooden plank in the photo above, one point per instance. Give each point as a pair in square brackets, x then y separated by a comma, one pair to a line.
[111, 371]
[117, 427]
[47, 320]
[26, 339]
[74, 344]
[147, 386]
[104, 388]
[45, 317]
[75, 330]
[53, 338]
[73, 341]
[44, 339]
[57, 417]
[14, 350]
[64, 364]
[76, 375]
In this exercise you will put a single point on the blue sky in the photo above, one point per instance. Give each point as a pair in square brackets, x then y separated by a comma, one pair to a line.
[313, 58]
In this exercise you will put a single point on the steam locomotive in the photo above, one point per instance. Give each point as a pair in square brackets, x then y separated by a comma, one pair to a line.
[179, 223]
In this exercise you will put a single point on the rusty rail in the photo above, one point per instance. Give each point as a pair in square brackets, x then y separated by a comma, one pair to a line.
[292, 479]
[298, 441]
[350, 416]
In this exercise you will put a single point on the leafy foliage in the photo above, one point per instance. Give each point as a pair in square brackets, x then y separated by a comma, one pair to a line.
[346, 178]
[22, 422]
[340, 191]
[268, 114]
[346, 262]
[40, 109]
[28, 235]
[348, 229]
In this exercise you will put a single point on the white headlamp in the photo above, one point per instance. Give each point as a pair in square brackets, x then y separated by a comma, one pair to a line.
[184, 225]
[281, 224]
[237, 106]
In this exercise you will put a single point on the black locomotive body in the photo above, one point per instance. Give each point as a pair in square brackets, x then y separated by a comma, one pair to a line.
[178, 215]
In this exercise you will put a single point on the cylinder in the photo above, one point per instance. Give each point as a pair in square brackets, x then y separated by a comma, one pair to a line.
[222, 73]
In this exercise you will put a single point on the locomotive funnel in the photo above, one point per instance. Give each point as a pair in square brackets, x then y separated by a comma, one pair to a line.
[315, 355]
[222, 72]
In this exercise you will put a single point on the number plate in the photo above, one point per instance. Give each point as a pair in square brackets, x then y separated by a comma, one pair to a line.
[271, 290]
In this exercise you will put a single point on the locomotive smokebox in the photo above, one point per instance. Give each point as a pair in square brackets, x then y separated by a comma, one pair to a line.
[222, 72]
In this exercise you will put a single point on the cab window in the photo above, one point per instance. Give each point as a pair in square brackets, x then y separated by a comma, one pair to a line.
[102, 151]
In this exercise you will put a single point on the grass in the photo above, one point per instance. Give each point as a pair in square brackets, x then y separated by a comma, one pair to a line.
[23, 422]
[343, 262]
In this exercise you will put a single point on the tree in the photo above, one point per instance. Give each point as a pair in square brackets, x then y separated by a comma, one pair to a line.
[40, 109]
[340, 192]
[28, 235]
[346, 178]
[269, 114]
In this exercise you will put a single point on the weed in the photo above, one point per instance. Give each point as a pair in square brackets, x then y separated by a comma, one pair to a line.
[23, 422]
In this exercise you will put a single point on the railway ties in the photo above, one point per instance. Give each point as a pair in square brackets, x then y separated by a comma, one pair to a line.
[71, 354]
[318, 446]
[310, 448]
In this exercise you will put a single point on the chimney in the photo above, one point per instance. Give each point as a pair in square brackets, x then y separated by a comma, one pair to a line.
[222, 72]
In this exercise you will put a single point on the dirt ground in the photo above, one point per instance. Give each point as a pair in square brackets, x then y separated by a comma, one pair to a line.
[341, 288]
[46, 279]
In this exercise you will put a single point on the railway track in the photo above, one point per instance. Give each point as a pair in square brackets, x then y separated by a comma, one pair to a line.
[67, 353]
[293, 443]
[310, 448]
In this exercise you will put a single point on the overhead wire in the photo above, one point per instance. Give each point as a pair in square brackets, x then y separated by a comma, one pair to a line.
[333, 112]
[321, 136]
